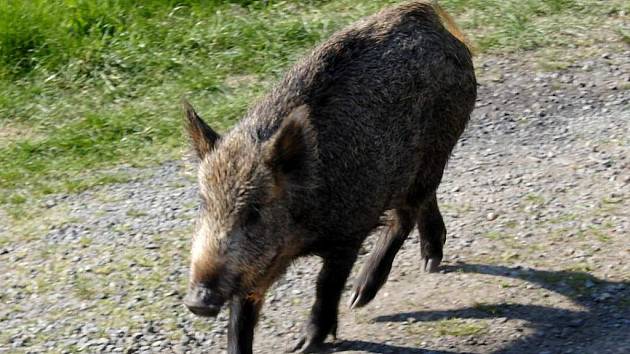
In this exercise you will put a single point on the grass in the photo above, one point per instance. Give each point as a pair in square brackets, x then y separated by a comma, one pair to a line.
[458, 327]
[533, 198]
[488, 308]
[447, 327]
[89, 85]
[494, 235]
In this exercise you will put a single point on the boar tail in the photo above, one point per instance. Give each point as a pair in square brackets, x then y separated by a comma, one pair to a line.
[451, 26]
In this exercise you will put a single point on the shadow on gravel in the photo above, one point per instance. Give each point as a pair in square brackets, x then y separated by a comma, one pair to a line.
[370, 347]
[601, 327]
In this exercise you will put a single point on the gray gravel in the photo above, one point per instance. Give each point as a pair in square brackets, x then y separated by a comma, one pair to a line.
[535, 199]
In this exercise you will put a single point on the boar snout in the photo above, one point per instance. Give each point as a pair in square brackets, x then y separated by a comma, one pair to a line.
[203, 302]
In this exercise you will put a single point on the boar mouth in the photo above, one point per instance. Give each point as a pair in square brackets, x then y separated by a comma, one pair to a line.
[203, 302]
[207, 311]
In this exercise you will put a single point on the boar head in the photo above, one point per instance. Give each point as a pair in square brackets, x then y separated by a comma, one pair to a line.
[245, 233]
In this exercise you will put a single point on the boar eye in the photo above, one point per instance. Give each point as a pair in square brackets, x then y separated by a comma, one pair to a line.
[252, 214]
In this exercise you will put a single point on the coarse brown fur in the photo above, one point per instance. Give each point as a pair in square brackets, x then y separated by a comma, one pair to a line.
[362, 126]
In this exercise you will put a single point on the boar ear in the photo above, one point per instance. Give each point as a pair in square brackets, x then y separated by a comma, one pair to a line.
[202, 137]
[293, 148]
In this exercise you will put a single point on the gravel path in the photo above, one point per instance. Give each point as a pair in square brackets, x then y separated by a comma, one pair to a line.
[537, 257]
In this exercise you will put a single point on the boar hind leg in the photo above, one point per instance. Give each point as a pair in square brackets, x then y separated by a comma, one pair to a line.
[376, 270]
[432, 234]
[323, 318]
[243, 317]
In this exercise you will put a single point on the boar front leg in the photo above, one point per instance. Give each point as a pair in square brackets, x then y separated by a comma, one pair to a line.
[330, 283]
[243, 317]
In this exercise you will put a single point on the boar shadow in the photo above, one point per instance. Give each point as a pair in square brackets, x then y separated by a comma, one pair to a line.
[555, 329]
[370, 347]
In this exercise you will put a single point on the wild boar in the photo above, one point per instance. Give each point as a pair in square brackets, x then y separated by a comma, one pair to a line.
[360, 128]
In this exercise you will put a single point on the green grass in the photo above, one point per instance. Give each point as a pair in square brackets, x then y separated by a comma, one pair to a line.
[534, 199]
[88, 85]
[458, 327]
[488, 308]
[494, 235]
[447, 327]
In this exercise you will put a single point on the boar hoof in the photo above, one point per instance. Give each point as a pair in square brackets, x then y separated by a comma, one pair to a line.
[431, 264]
[365, 289]
[307, 344]
[359, 298]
